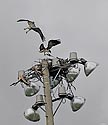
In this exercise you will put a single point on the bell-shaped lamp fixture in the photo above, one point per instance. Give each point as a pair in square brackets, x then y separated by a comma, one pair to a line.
[73, 57]
[62, 91]
[54, 82]
[77, 102]
[89, 67]
[72, 74]
[39, 100]
[31, 115]
[31, 90]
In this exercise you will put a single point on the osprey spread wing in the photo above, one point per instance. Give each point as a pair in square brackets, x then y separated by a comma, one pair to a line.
[32, 26]
[51, 43]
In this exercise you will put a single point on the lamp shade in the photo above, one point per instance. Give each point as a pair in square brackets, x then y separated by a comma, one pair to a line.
[31, 90]
[77, 102]
[72, 74]
[62, 91]
[31, 115]
[39, 100]
[73, 56]
[54, 83]
[89, 67]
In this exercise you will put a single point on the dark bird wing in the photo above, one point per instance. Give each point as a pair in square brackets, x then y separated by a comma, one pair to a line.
[52, 43]
[42, 47]
[38, 30]
[30, 23]
[33, 27]
[20, 20]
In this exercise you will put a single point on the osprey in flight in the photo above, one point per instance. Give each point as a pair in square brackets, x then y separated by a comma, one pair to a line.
[51, 43]
[32, 26]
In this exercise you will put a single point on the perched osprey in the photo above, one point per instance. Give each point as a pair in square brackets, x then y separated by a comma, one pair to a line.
[21, 78]
[32, 26]
[51, 43]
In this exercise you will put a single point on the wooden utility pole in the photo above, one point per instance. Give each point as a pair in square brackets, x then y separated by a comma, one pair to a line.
[47, 93]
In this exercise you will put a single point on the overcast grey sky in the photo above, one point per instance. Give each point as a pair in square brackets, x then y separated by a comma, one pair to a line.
[82, 26]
